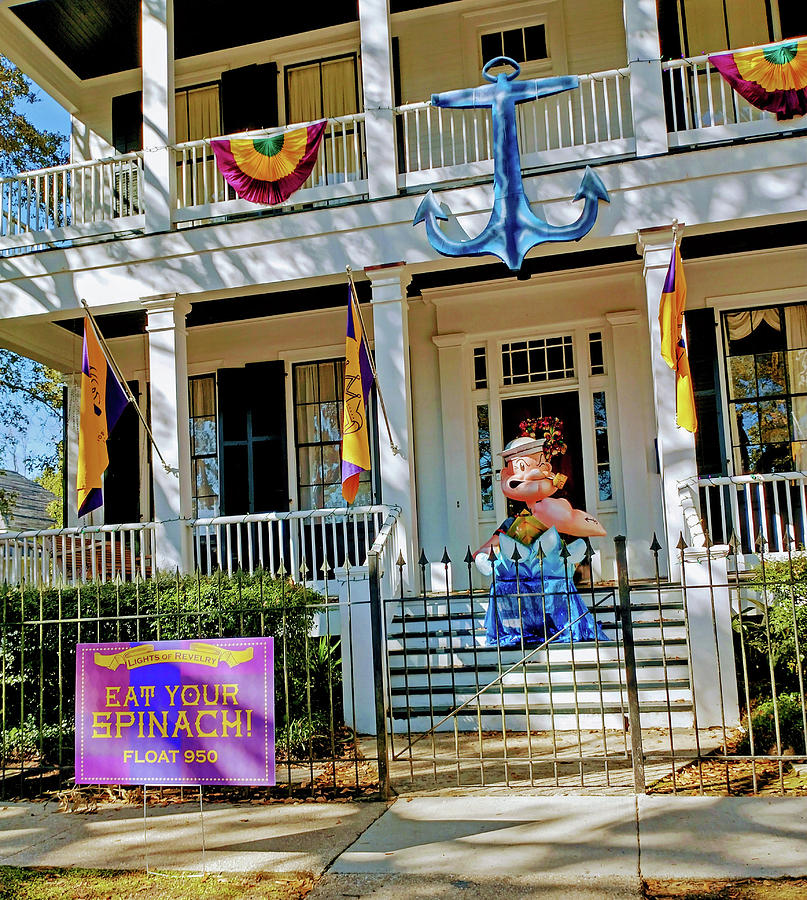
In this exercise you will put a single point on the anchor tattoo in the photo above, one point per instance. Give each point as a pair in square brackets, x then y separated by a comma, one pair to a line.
[513, 229]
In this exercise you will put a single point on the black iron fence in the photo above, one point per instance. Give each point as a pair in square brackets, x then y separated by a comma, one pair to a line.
[317, 752]
[541, 680]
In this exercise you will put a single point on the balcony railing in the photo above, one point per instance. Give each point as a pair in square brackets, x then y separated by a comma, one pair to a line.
[750, 508]
[590, 122]
[435, 146]
[69, 201]
[77, 555]
[306, 545]
[703, 108]
[340, 171]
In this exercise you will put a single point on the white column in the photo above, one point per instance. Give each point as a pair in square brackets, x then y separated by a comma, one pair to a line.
[641, 487]
[168, 386]
[391, 347]
[711, 643]
[644, 62]
[379, 123]
[460, 506]
[159, 131]
[676, 446]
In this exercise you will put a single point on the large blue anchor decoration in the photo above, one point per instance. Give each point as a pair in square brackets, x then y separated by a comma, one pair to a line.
[513, 229]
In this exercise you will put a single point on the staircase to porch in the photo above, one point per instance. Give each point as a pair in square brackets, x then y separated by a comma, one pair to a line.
[439, 658]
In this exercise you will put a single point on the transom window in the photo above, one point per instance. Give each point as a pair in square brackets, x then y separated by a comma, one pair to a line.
[318, 392]
[541, 359]
[766, 369]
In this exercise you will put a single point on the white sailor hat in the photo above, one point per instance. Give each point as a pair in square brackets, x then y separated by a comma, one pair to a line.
[522, 446]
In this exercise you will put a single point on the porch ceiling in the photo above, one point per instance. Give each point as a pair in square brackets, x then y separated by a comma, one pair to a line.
[101, 37]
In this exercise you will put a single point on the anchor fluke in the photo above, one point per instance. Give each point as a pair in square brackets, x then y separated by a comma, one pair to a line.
[592, 186]
[429, 209]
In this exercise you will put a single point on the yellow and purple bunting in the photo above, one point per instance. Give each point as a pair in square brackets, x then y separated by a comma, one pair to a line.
[773, 77]
[269, 169]
[358, 381]
[102, 403]
[673, 346]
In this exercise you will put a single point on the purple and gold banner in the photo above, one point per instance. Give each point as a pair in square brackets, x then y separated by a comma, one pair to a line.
[176, 712]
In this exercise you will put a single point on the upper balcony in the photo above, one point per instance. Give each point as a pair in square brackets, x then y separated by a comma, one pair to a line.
[102, 194]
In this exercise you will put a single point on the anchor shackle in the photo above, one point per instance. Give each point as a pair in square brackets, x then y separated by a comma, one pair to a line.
[501, 61]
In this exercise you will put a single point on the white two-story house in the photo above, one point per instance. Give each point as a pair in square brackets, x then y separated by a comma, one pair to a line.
[228, 318]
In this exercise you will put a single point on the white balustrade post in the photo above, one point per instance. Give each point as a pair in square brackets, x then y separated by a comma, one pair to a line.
[168, 386]
[379, 122]
[644, 62]
[711, 642]
[391, 345]
[159, 131]
[675, 446]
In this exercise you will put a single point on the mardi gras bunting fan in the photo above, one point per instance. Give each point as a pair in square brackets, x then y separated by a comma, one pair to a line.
[773, 78]
[269, 169]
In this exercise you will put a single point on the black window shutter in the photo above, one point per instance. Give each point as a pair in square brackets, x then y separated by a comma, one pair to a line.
[249, 98]
[127, 122]
[710, 451]
[252, 439]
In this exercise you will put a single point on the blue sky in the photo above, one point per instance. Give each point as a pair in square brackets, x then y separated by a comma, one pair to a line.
[45, 429]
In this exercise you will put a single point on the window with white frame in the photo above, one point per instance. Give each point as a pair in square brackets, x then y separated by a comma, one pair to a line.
[522, 44]
[766, 379]
[204, 445]
[539, 359]
[318, 393]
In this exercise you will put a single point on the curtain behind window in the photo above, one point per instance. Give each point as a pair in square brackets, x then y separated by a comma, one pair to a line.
[796, 330]
[707, 20]
[305, 100]
[198, 113]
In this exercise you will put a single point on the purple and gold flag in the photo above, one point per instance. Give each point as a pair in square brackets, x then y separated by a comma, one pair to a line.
[358, 381]
[103, 400]
[673, 345]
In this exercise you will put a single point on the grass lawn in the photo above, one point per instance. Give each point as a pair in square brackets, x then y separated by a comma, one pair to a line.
[94, 884]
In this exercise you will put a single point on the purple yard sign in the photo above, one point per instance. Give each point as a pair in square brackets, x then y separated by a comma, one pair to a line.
[176, 712]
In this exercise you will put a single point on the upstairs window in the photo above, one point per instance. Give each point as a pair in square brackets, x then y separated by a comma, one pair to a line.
[526, 44]
[542, 359]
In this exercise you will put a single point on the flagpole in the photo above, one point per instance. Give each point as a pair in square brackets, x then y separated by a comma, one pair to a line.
[353, 295]
[122, 381]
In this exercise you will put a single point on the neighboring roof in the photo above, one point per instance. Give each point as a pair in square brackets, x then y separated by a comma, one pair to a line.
[29, 510]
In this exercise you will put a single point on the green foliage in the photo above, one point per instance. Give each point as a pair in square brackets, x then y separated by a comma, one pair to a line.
[22, 145]
[763, 719]
[780, 631]
[40, 628]
[52, 479]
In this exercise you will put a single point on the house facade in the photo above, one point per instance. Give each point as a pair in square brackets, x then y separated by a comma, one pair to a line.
[228, 319]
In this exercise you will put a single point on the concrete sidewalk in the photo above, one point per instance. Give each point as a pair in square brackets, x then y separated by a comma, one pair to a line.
[433, 847]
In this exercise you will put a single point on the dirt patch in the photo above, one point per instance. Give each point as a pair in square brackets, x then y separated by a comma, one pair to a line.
[749, 889]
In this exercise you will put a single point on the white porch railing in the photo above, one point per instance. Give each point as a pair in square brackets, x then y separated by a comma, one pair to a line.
[302, 544]
[594, 120]
[702, 107]
[75, 200]
[340, 171]
[749, 506]
[77, 555]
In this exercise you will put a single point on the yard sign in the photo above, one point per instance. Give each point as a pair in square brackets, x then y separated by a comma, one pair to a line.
[175, 712]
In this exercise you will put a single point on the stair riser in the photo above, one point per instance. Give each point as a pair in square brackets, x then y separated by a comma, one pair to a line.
[463, 678]
[542, 722]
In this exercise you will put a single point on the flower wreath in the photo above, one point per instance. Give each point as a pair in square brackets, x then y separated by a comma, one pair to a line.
[548, 427]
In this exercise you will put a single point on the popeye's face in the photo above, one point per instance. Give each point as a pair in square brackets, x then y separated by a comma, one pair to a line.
[528, 478]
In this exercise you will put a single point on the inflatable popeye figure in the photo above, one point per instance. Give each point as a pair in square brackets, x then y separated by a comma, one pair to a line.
[533, 596]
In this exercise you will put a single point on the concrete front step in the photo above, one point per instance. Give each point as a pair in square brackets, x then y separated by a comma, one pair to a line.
[560, 718]
[441, 655]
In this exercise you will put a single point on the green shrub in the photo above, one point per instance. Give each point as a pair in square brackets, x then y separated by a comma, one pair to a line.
[763, 718]
[782, 586]
[39, 629]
